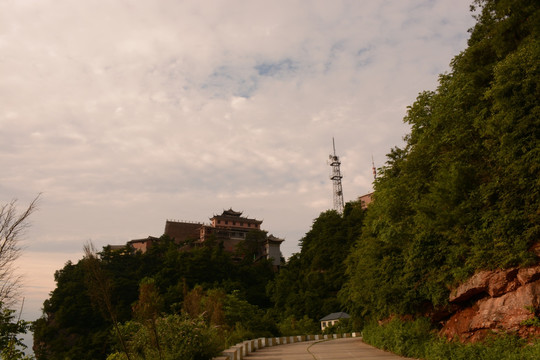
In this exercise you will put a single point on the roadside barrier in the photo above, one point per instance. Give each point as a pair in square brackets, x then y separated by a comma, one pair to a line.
[241, 350]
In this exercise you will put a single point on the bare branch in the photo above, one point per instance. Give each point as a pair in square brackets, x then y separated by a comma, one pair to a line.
[12, 227]
[99, 287]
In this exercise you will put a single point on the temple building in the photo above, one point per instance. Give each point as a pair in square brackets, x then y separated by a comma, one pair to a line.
[230, 230]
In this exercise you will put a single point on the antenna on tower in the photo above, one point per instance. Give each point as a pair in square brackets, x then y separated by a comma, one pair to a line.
[336, 180]
[373, 167]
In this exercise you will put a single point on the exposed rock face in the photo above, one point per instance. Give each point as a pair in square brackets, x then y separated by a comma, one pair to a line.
[495, 301]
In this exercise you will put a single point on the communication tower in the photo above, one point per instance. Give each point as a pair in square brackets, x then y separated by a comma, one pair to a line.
[373, 168]
[336, 180]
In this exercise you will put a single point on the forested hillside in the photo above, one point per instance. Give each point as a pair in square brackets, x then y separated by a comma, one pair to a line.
[77, 323]
[464, 192]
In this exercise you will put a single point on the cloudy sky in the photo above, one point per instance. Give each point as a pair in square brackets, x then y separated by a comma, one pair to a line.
[124, 114]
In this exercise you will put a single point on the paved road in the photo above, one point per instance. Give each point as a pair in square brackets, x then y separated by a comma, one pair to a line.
[337, 349]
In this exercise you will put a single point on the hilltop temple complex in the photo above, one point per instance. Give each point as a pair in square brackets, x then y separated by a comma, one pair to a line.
[229, 229]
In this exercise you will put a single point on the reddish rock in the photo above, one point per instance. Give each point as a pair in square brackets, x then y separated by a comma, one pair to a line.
[459, 325]
[507, 311]
[477, 284]
[502, 281]
[505, 299]
[529, 274]
[492, 283]
[529, 332]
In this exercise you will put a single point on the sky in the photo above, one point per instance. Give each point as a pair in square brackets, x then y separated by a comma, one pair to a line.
[124, 114]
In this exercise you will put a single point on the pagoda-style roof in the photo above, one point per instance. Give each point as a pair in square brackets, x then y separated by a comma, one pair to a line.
[235, 216]
[231, 213]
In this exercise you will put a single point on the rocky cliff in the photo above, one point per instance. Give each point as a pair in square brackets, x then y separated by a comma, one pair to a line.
[495, 301]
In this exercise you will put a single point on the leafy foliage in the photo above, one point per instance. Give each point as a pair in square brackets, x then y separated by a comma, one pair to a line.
[11, 345]
[179, 338]
[292, 326]
[309, 283]
[75, 325]
[417, 339]
[463, 194]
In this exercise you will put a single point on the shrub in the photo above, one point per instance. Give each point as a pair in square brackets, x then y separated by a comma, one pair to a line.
[292, 326]
[407, 338]
[418, 339]
[179, 338]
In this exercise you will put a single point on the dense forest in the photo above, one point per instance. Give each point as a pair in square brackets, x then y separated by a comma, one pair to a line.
[461, 195]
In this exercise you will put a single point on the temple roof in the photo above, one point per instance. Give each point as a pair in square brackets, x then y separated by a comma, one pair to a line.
[231, 212]
[234, 215]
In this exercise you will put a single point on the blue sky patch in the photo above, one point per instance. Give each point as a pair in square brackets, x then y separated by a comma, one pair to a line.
[276, 68]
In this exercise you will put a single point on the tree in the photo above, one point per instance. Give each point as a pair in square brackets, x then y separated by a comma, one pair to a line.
[309, 283]
[100, 288]
[462, 195]
[10, 343]
[12, 227]
[77, 319]
[76, 325]
[146, 310]
[181, 338]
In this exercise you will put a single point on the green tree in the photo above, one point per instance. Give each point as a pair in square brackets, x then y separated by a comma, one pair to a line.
[462, 195]
[180, 338]
[291, 326]
[74, 326]
[244, 320]
[310, 281]
[71, 327]
[147, 310]
[99, 286]
[11, 345]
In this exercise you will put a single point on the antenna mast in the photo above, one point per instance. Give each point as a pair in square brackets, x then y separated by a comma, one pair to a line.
[373, 167]
[336, 180]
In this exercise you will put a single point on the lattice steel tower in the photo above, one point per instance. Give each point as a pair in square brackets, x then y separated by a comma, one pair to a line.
[336, 179]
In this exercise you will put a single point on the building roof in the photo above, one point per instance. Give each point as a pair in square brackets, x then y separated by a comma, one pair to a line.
[231, 212]
[336, 316]
[149, 238]
[235, 216]
[181, 231]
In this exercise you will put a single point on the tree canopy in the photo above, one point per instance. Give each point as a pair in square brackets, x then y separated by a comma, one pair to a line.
[463, 194]
[309, 284]
[80, 313]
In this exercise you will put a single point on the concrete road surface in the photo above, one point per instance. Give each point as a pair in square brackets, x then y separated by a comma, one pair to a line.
[337, 349]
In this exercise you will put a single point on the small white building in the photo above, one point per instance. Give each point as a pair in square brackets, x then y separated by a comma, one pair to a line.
[333, 319]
